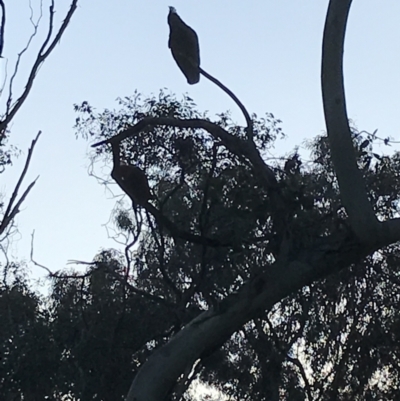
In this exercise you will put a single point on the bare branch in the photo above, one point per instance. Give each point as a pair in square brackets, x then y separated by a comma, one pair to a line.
[12, 210]
[51, 274]
[234, 144]
[20, 54]
[352, 186]
[40, 59]
[15, 210]
[235, 99]
[2, 27]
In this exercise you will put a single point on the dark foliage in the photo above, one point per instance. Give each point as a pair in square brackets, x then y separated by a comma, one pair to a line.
[336, 339]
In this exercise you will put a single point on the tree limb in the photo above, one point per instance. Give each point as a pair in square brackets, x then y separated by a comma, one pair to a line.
[237, 146]
[249, 122]
[234, 144]
[35, 25]
[2, 27]
[352, 187]
[12, 210]
[212, 328]
[40, 59]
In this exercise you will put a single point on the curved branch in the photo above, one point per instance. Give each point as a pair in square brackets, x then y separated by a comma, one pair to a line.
[235, 99]
[351, 183]
[234, 144]
[212, 328]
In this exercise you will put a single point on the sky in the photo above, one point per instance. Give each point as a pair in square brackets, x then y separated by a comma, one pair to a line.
[267, 52]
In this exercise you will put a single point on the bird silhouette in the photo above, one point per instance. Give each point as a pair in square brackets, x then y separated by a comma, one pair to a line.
[136, 183]
[184, 45]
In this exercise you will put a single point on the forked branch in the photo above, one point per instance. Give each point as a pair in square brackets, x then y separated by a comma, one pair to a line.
[14, 205]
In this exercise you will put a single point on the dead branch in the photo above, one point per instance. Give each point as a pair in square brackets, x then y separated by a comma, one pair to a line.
[20, 54]
[12, 210]
[45, 50]
[51, 274]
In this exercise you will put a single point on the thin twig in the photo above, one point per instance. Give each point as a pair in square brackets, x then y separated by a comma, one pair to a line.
[20, 54]
[51, 274]
[190, 373]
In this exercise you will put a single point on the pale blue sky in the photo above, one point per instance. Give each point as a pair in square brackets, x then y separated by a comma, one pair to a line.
[267, 52]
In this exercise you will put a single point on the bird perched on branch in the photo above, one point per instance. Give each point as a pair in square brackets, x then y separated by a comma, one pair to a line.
[184, 45]
[135, 182]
